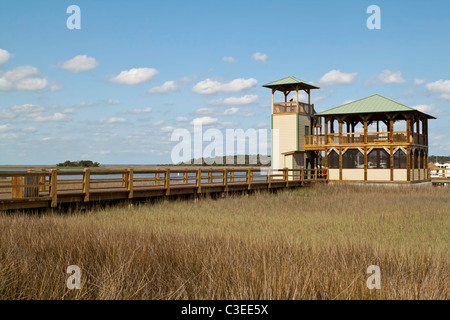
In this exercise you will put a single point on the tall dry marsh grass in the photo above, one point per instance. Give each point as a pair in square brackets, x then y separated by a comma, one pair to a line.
[309, 243]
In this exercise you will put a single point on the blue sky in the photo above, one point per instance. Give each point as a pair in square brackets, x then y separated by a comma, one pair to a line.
[114, 90]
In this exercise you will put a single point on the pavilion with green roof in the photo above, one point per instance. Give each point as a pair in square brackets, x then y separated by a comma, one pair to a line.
[372, 139]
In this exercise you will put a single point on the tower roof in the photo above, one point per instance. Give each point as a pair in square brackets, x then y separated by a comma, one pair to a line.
[372, 104]
[289, 83]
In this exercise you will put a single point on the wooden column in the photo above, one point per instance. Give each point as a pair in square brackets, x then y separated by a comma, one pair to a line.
[408, 163]
[167, 181]
[86, 183]
[365, 131]
[391, 130]
[340, 164]
[130, 183]
[392, 162]
[340, 131]
[326, 131]
[53, 187]
[273, 93]
[412, 164]
[365, 160]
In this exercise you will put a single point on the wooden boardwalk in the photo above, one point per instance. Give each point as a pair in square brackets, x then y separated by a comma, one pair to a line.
[40, 189]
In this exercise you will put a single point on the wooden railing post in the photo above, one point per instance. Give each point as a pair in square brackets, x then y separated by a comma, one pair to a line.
[315, 174]
[249, 178]
[53, 188]
[42, 181]
[302, 175]
[232, 176]
[167, 184]
[157, 178]
[86, 183]
[225, 177]
[125, 180]
[269, 178]
[199, 180]
[130, 184]
[210, 180]
[286, 176]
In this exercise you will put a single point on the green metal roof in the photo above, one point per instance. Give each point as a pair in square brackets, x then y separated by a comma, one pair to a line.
[290, 81]
[372, 104]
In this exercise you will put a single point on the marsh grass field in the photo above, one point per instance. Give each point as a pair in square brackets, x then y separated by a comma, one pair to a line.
[308, 243]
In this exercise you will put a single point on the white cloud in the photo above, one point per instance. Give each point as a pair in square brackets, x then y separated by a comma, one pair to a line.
[440, 86]
[167, 86]
[204, 120]
[112, 101]
[46, 139]
[229, 60]
[56, 87]
[230, 111]
[425, 107]
[260, 57]
[135, 76]
[4, 56]
[336, 77]
[6, 127]
[158, 123]
[31, 84]
[387, 77]
[418, 82]
[181, 119]
[56, 117]
[21, 78]
[204, 111]
[80, 63]
[167, 129]
[138, 111]
[170, 86]
[114, 120]
[234, 101]
[209, 86]
[27, 108]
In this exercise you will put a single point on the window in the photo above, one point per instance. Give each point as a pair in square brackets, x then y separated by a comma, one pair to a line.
[333, 160]
[378, 159]
[353, 159]
[399, 159]
[307, 130]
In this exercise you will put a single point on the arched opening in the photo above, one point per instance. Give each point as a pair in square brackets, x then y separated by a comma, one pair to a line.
[333, 160]
[378, 159]
[399, 159]
[353, 159]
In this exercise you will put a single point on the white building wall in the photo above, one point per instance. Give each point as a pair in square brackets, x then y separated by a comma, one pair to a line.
[352, 174]
[379, 174]
[286, 125]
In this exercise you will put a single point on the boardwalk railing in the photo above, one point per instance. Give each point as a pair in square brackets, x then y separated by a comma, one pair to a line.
[26, 189]
[442, 173]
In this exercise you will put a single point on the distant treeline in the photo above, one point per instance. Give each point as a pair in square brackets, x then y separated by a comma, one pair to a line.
[80, 163]
[440, 159]
[238, 160]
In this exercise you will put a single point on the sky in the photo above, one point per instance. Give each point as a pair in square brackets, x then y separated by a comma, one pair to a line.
[114, 90]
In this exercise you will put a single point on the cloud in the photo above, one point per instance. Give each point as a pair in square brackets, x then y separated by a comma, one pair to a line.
[56, 117]
[112, 101]
[22, 78]
[440, 86]
[27, 108]
[4, 56]
[56, 87]
[114, 120]
[387, 77]
[234, 101]
[167, 129]
[425, 107]
[260, 57]
[204, 111]
[204, 121]
[135, 76]
[229, 60]
[209, 86]
[336, 77]
[138, 111]
[170, 86]
[6, 127]
[230, 111]
[181, 119]
[80, 63]
[418, 82]
[158, 123]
